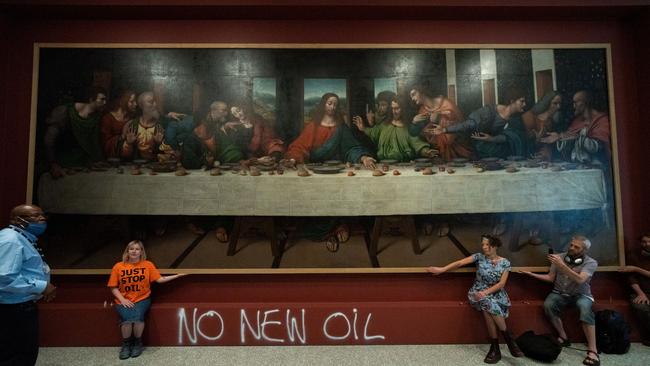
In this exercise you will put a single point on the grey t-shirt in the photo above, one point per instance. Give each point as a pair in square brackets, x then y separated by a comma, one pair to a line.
[563, 285]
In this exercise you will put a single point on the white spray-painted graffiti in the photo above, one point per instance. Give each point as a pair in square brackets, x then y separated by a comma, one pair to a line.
[352, 327]
[255, 325]
[195, 330]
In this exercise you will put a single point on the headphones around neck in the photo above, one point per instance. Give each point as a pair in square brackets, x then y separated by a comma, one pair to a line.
[573, 261]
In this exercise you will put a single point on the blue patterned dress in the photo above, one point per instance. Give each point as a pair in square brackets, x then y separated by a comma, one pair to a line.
[487, 275]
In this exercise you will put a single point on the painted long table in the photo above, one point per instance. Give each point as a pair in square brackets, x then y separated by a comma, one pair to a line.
[199, 193]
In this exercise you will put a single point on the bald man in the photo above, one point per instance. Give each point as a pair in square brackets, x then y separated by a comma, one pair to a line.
[24, 279]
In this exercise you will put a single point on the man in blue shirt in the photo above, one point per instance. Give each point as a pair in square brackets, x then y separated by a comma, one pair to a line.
[24, 279]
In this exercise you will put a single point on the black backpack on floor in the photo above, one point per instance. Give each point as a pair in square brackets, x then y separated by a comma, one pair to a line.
[541, 347]
[612, 332]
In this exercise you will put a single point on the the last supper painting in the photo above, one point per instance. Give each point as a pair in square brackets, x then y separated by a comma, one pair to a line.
[323, 158]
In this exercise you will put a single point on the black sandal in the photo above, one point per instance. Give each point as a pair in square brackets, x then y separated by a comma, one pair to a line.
[591, 361]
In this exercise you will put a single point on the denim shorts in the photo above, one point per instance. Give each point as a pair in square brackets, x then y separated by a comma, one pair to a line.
[134, 314]
[555, 303]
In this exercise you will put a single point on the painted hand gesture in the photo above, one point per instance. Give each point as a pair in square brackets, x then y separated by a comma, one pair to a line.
[368, 162]
[176, 116]
[421, 117]
[131, 135]
[370, 116]
[358, 121]
[481, 136]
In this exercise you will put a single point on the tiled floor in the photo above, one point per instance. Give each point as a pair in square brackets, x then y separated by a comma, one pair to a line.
[407, 355]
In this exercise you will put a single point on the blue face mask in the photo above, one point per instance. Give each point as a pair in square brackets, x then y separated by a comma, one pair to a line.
[36, 228]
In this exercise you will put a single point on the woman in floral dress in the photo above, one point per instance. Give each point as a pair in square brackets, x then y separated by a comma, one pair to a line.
[488, 293]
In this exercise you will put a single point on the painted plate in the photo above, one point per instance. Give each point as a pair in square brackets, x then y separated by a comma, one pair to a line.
[326, 169]
[493, 165]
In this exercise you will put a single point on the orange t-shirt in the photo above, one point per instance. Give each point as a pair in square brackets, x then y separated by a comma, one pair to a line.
[133, 279]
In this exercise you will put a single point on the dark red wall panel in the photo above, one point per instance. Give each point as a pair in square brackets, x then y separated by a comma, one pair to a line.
[381, 309]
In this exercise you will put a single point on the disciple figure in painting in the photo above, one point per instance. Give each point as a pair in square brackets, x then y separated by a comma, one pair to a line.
[144, 134]
[382, 108]
[587, 140]
[497, 130]
[438, 111]
[255, 135]
[112, 123]
[380, 116]
[392, 138]
[327, 137]
[541, 120]
[195, 140]
[72, 135]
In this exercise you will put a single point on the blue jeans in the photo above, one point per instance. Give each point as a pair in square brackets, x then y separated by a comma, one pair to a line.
[555, 304]
[136, 313]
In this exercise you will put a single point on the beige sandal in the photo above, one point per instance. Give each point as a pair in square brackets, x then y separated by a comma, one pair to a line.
[342, 233]
[332, 244]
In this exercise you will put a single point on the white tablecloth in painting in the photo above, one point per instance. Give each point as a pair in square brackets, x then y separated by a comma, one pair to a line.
[199, 193]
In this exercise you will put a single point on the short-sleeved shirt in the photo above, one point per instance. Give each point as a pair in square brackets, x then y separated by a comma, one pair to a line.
[133, 279]
[565, 286]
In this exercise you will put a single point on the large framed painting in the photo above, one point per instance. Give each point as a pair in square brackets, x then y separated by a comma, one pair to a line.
[322, 158]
